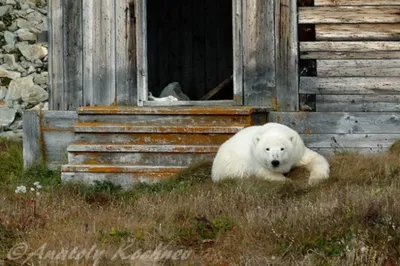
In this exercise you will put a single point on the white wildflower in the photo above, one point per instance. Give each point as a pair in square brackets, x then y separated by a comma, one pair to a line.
[37, 193]
[363, 249]
[36, 184]
[32, 189]
[20, 189]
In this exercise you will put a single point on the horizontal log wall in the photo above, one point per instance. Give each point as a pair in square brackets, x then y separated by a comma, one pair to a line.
[356, 53]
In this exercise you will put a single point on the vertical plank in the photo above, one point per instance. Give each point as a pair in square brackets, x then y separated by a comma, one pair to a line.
[31, 138]
[287, 80]
[237, 32]
[259, 52]
[141, 30]
[126, 85]
[88, 51]
[73, 65]
[104, 56]
[56, 64]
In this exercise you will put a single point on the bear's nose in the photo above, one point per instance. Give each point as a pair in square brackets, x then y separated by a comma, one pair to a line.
[275, 163]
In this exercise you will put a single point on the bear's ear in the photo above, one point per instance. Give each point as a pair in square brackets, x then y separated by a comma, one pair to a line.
[291, 138]
[256, 139]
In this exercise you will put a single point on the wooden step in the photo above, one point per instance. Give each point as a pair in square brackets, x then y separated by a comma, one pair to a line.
[146, 138]
[162, 155]
[218, 116]
[96, 127]
[126, 176]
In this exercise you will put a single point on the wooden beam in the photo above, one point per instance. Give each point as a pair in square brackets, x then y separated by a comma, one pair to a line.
[287, 97]
[126, 76]
[358, 103]
[350, 140]
[141, 52]
[367, 46]
[339, 122]
[237, 17]
[88, 51]
[349, 68]
[353, 32]
[56, 59]
[349, 14]
[349, 55]
[349, 85]
[31, 138]
[259, 52]
[356, 2]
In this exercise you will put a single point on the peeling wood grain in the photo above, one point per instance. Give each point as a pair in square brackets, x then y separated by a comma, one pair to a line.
[143, 159]
[56, 61]
[287, 97]
[350, 140]
[349, 46]
[141, 148]
[350, 85]
[349, 14]
[237, 17]
[348, 68]
[357, 32]
[350, 55]
[358, 103]
[32, 150]
[340, 122]
[258, 52]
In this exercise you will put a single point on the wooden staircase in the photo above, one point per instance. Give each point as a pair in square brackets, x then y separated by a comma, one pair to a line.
[130, 144]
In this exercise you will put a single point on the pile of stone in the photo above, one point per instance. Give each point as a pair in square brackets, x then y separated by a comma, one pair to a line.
[23, 62]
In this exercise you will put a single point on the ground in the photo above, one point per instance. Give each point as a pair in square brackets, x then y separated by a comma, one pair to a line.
[352, 219]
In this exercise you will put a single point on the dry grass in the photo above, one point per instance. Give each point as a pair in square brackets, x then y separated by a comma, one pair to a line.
[352, 219]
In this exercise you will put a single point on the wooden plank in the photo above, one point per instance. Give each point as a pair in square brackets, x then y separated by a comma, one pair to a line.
[353, 32]
[104, 53]
[350, 55]
[325, 151]
[88, 17]
[348, 85]
[349, 68]
[339, 122]
[357, 103]
[355, 2]
[349, 140]
[126, 86]
[73, 64]
[32, 143]
[259, 51]
[349, 14]
[349, 46]
[56, 60]
[141, 46]
[237, 33]
[287, 97]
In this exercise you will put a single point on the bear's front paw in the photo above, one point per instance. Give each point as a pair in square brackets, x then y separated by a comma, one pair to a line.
[318, 177]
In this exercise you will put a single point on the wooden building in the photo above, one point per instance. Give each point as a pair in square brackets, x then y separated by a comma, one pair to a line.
[330, 69]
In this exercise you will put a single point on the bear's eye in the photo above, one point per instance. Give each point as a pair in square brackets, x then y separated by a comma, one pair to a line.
[267, 149]
[282, 149]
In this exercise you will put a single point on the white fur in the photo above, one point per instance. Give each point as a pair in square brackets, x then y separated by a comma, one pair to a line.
[245, 155]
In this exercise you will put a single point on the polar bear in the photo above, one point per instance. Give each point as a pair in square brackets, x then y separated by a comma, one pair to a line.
[267, 152]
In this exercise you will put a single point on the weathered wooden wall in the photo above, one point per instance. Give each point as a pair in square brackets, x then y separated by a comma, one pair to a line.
[47, 135]
[92, 53]
[356, 54]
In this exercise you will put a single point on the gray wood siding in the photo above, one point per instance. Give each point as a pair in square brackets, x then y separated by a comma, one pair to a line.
[93, 53]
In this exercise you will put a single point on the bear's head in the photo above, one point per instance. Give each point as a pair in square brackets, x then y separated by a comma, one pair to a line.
[274, 152]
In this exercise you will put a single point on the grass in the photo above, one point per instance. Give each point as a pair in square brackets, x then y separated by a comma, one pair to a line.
[352, 219]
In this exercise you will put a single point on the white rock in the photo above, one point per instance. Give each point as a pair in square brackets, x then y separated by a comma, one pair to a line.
[4, 10]
[25, 35]
[32, 52]
[34, 94]
[11, 2]
[12, 136]
[4, 73]
[41, 79]
[3, 92]
[2, 26]
[11, 64]
[10, 37]
[13, 27]
[15, 88]
[8, 48]
[7, 116]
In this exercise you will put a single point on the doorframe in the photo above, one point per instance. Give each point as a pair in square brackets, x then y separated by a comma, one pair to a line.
[142, 60]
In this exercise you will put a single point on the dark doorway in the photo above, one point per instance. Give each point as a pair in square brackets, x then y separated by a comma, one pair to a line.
[190, 42]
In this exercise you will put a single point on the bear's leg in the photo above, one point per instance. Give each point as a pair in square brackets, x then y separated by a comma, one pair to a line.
[272, 176]
[316, 164]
